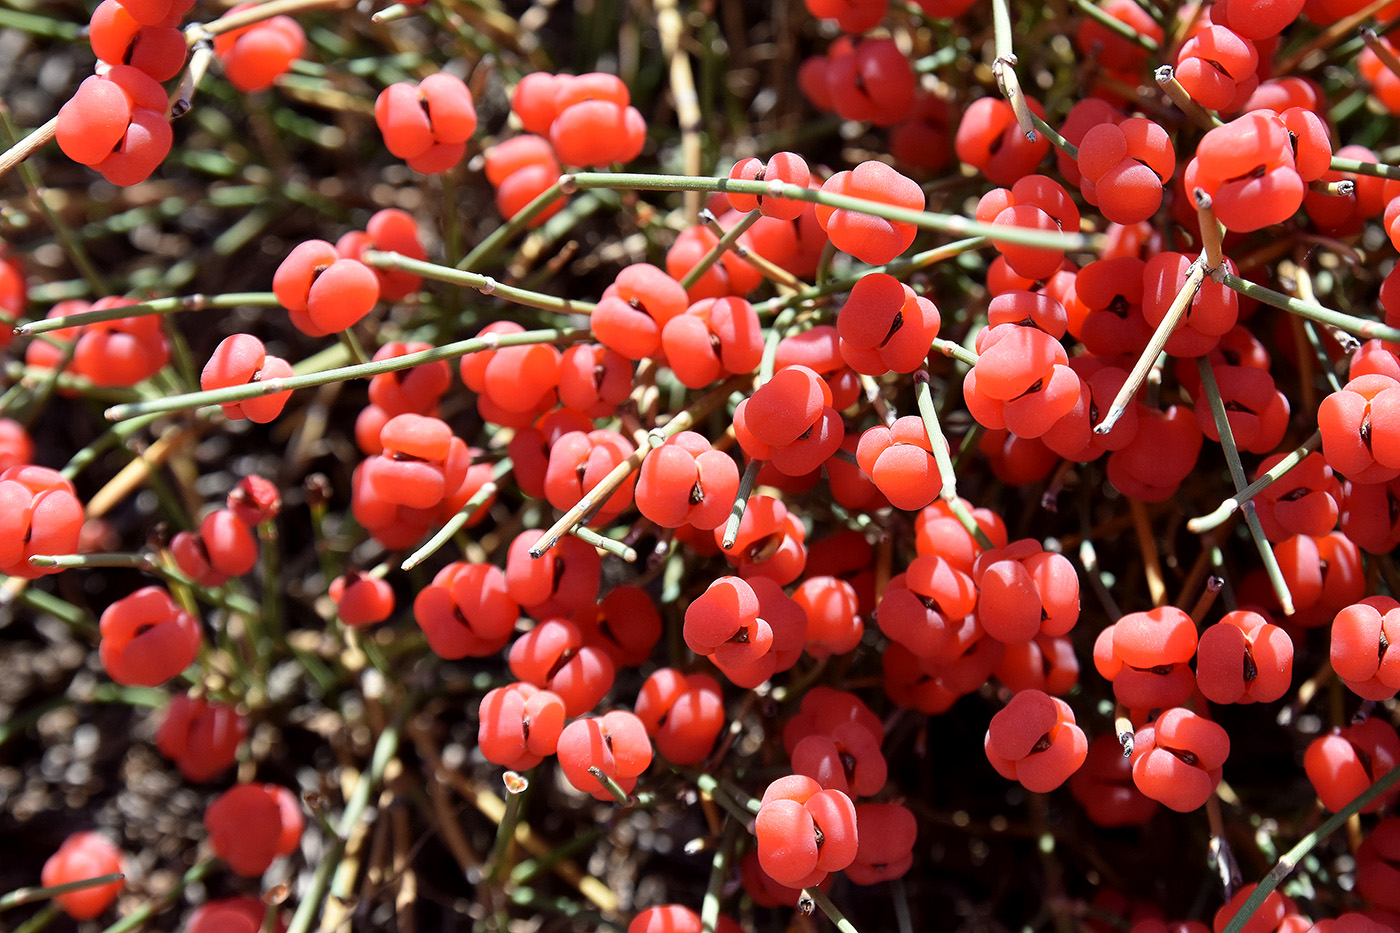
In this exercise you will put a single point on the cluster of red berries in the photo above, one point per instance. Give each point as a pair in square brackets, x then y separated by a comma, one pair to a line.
[797, 396]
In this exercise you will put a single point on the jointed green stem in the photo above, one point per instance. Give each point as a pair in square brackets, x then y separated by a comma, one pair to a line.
[1293, 856]
[1227, 508]
[29, 895]
[949, 493]
[486, 250]
[610, 785]
[945, 223]
[482, 283]
[516, 786]
[137, 918]
[819, 897]
[1360, 327]
[341, 373]
[599, 494]
[455, 523]
[1093, 11]
[741, 503]
[1232, 458]
[157, 306]
[604, 543]
[719, 871]
[718, 250]
[1149, 355]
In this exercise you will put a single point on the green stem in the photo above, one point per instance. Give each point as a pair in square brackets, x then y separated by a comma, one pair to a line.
[1227, 508]
[455, 523]
[945, 223]
[719, 249]
[819, 897]
[314, 899]
[1366, 330]
[741, 503]
[516, 786]
[156, 306]
[29, 895]
[41, 920]
[604, 543]
[899, 268]
[137, 918]
[610, 785]
[1293, 856]
[1232, 458]
[1058, 141]
[487, 248]
[1091, 9]
[482, 283]
[1357, 167]
[923, 393]
[341, 373]
[955, 351]
[719, 870]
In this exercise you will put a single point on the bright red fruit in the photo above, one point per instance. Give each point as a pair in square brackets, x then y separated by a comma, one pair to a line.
[84, 855]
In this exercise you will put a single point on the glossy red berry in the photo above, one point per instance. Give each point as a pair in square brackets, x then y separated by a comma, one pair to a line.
[1177, 760]
[519, 725]
[1034, 740]
[250, 825]
[428, 124]
[147, 639]
[616, 743]
[200, 736]
[85, 855]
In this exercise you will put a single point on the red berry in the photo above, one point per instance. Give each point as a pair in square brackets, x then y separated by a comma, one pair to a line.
[84, 855]
[147, 639]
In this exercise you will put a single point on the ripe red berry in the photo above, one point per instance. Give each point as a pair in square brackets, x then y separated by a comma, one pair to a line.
[200, 736]
[116, 123]
[869, 238]
[884, 326]
[256, 500]
[682, 713]
[147, 639]
[242, 359]
[1244, 658]
[804, 832]
[250, 825]
[1347, 761]
[232, 915]
[323, 292]
[466, 611]
[519, 725]
[255, 56]
[784, 167]
[1034, 740]
[1217, 66]
[118, 39]
[990, 140]
[392, 230]
[1177, 760]
[223, 547]
[615, 743]
[634, 309]
[360, 599]
[428, 124]
[85, 855]
[554, 657]
[39, 514]
[1145, 655]
[885, 850]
